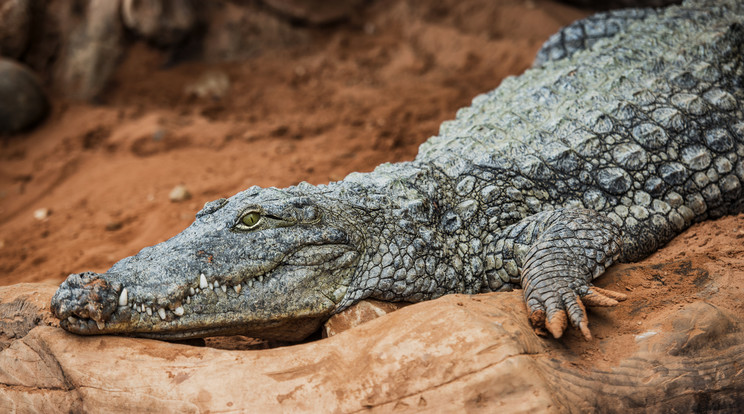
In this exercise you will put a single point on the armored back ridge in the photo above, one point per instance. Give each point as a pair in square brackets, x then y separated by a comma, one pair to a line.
[628, 129]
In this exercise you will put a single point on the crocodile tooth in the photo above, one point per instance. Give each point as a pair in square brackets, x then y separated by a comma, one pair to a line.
[192, 292]
[188, 299]
[123, 297]
[260, 279]
[203, 281]
[216, 284]
[100, 325]
[237, 288]
[250, 283]
[178, 311]
[161, 313]
[211, 286]
[224, 288]
[72, 319]
[148, 310]
[197, 290]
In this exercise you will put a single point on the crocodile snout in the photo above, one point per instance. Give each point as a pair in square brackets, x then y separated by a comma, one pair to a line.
[86, 295]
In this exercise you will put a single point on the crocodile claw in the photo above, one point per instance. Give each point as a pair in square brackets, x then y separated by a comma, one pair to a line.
[557, 323]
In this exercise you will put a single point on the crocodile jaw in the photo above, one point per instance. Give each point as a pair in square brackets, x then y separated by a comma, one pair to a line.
[287, 304]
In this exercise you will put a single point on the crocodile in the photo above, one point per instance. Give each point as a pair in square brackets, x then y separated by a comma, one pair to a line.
[628, 129]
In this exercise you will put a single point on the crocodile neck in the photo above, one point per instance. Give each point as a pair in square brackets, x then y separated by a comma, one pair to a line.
[424, 234]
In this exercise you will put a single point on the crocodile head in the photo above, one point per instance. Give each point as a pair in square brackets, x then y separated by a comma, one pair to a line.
[266, 263]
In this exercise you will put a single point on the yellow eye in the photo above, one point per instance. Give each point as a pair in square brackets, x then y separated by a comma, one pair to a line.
[250, 219]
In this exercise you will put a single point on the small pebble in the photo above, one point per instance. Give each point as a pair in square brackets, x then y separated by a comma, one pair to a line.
[42, 214]
[179, 193]
[158, 135]
[213, 84]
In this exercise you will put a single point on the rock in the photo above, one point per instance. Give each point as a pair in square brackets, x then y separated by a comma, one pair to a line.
[315, 11]
[456, 353]
[92, 48]
[213, 84]
[15, 19]
[163, 22]
[42, 214]
[179, 193]
[23, 102]
[620, 4]
[23, 307]
[236, 31]
[358, 314]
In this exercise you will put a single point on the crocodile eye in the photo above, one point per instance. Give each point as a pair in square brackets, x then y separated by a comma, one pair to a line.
[250, 219]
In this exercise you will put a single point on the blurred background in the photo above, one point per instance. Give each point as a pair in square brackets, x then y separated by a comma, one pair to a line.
[119, 119]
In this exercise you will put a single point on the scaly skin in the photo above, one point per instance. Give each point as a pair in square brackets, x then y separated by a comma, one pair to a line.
[602, 155]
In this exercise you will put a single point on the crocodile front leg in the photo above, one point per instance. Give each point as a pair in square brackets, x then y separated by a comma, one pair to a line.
[558, 253]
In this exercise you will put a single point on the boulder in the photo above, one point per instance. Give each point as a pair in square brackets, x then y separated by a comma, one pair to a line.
[236, 31]
[315, 11]
[77, 46]
[23, 102]
[162, 22]
[15, 19]
[92, 46]
[620, 4]
[358, 314]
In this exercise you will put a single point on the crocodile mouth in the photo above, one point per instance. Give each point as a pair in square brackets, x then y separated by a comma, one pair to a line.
[287, 302]
[194, 300]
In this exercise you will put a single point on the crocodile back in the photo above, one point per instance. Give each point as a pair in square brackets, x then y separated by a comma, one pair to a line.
[645, 126]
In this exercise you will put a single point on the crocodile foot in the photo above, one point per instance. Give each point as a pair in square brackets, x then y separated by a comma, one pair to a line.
[576, 247]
